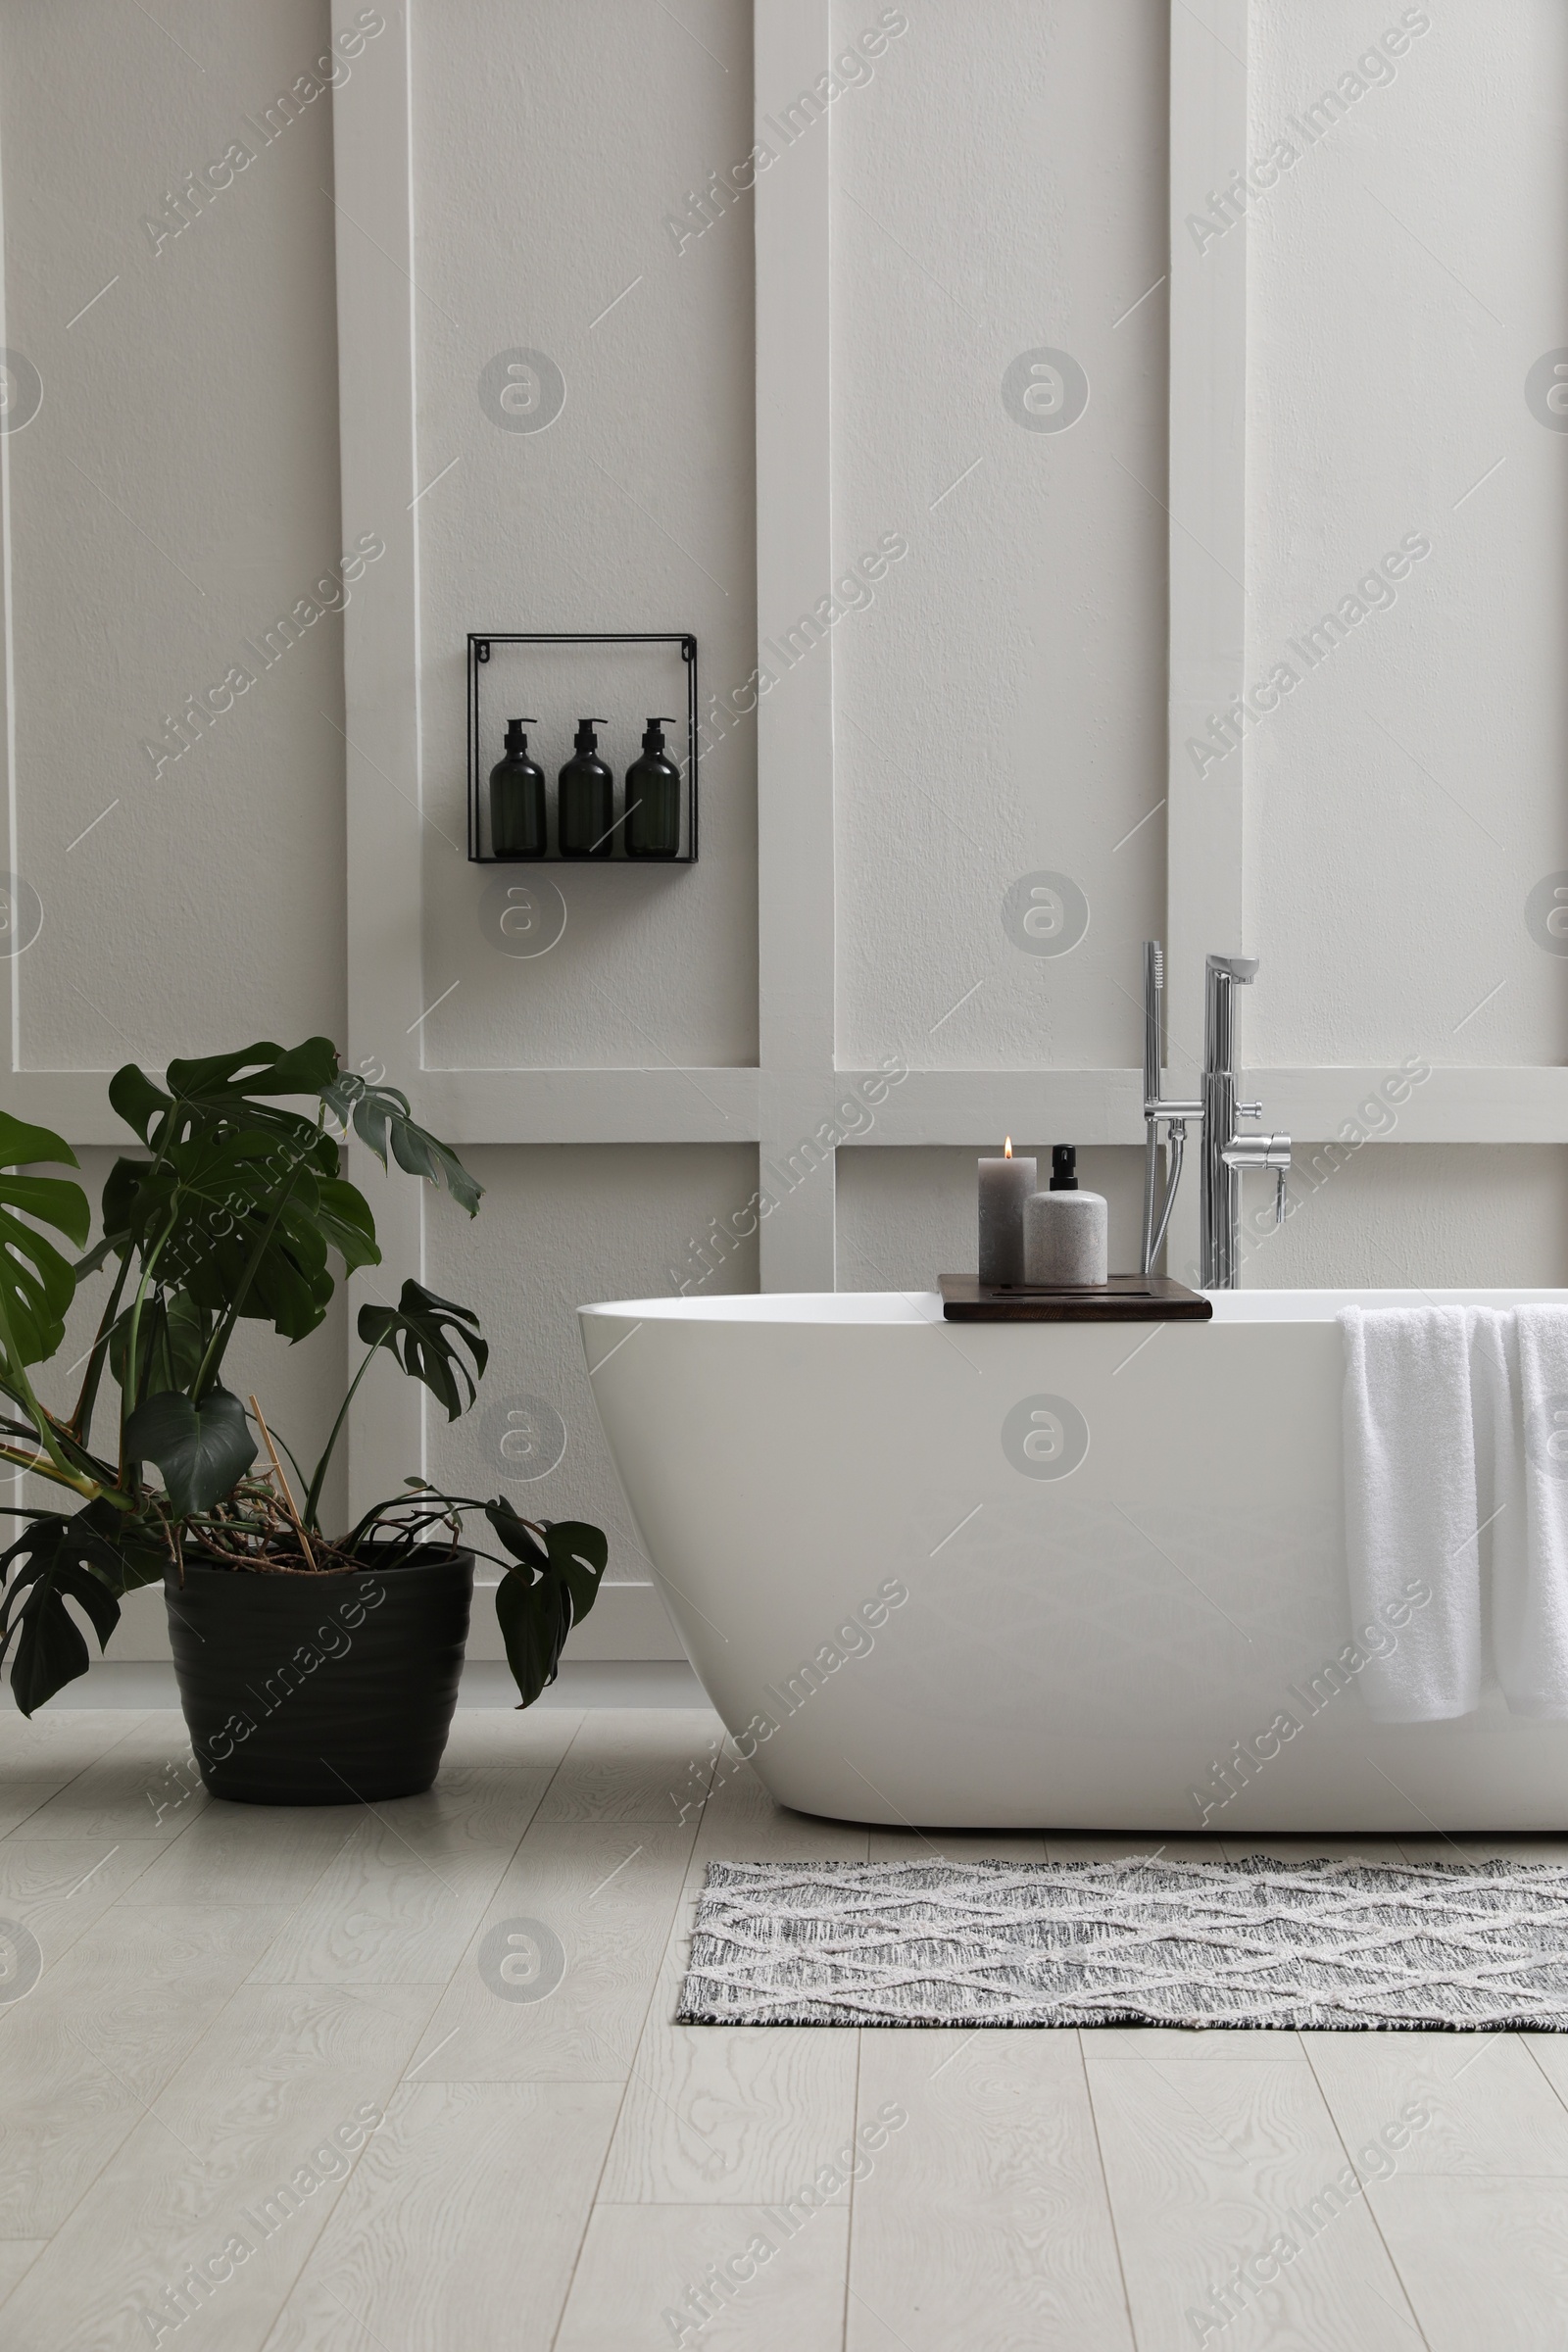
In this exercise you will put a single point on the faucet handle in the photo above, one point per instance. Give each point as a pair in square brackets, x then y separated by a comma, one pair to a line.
[1256, 1152]
[1279, 1198]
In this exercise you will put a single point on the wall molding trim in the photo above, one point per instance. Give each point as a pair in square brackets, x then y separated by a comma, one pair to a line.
[1459, 1103]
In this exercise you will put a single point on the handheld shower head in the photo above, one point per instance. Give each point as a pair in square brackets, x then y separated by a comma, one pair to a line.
[1153, 1018]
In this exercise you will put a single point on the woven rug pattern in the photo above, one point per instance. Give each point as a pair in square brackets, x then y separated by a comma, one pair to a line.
[1338, 1944]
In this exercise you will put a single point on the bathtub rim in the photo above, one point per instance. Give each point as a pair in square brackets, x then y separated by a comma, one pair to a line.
[864, 1309]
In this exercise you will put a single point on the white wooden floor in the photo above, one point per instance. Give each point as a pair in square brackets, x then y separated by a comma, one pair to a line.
[227, 1995]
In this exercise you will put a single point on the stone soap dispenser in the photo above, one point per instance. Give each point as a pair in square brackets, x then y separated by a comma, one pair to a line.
[652, 797]
[587, 798]
[1065, 1232]
[517, 798]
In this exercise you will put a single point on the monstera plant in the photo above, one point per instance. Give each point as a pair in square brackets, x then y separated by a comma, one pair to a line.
[234, 1208]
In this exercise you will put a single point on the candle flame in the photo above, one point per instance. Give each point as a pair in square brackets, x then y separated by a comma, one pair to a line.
[1007, 1149]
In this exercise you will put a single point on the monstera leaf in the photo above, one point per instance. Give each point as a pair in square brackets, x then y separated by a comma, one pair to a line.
[225, 1089]
[545, 1590]
[203, 1450]
[56, 1560]
[244, 1222]
[36, 1283]
[171, 1338]
[380, 1116]
[416, 1332]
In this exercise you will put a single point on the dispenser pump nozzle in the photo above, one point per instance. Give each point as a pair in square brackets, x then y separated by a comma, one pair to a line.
[1063, 1168]
[586, 740]
[654, 734]
[517, 740]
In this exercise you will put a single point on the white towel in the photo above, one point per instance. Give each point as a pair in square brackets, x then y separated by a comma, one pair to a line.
[1530, 1573]
[1498, 1557]
[1410, 1508]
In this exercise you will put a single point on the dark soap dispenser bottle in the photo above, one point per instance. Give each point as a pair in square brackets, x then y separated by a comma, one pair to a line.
[587, 798]
[517, 798]
[652, 797]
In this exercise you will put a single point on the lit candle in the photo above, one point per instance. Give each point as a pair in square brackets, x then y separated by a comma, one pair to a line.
[1005, 1184]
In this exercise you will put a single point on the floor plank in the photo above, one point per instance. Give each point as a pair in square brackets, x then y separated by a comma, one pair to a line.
[290, 2083]
[641, 2264]
[1549, 2051]
[1088, 1846]
[24, 1794]
[460, 2224]
[508, 1735]
[58, 1886]
[1183, 2045]
[1489, 2108]
[1208, 2166]
[266, 1854]
[604, 1893]
[953, 1846]
[736, 1792]
[1530, 1847]
[144, 1785]
[729, 2114]
[1486, 2262]
[78, 1733]
[724, 2114]
[989, 2199]
[17, 2257]
[384, 1912]
[652, 1764]
[41, 1756]
[1315, 1849]
[471, 1805]
[89, 2049]
[218, 1979]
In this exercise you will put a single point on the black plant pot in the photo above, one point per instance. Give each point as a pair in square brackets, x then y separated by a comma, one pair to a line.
[320, 1690]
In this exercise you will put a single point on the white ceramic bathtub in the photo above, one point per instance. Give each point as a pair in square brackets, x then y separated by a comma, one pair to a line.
[1115, 1642]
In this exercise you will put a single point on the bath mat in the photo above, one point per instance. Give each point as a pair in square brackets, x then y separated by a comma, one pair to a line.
[1257, 1942]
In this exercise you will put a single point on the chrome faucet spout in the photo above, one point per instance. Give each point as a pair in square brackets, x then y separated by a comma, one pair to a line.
[1225, 1154]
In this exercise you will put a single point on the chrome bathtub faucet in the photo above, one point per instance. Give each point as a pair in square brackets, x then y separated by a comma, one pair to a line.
[1225, 1153]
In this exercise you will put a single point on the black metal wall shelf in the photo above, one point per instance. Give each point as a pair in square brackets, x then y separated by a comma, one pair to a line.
[480, 641]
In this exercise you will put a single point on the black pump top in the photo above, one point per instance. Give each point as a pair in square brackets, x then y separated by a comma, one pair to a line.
[1063, 1168]
[654, 734]
[517, 740]
[586, 740]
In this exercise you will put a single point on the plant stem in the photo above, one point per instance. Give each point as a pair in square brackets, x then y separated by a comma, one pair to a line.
[283, 1485]
[81, 1418]
[129, 1387]
[207, 1371]
[21, 1387]
[312, 1499]
[42, 1466]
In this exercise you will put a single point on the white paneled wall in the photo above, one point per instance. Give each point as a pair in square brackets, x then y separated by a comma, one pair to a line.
[987, 483]
[1000, 704]
[1408, 794]
[907, 1214]
[560, 1225]
[175, 496]
[1425, 1216]
[542, 186]
[172, 500]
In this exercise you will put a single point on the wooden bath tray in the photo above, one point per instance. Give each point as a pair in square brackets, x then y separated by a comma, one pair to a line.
[1125, 1298]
